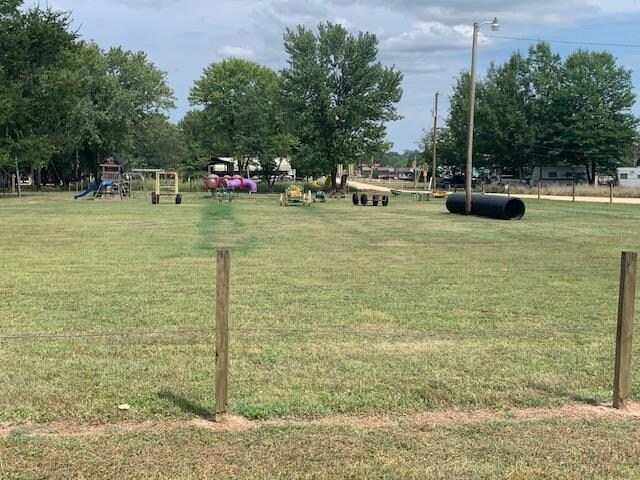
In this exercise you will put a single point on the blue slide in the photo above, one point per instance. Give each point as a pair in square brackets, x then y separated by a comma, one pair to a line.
[91, 188]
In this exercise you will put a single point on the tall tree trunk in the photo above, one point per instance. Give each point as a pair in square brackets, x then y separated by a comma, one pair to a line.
[591, 169]
[18, 180]
[334, 174]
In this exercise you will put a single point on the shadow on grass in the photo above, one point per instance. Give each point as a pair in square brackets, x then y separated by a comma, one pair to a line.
[561, 392]
[185, 405]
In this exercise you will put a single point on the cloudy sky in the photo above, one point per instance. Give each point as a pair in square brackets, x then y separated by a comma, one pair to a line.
[428, 40]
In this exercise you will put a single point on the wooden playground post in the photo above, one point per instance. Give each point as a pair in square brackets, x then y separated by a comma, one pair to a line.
[624, 334]
[573, 190]
[538, 189]
[222, 331]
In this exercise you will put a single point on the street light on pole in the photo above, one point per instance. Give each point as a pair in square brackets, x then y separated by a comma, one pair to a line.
[495, 26]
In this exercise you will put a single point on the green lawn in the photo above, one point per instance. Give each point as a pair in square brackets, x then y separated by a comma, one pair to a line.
[558, 449]
[411, 308]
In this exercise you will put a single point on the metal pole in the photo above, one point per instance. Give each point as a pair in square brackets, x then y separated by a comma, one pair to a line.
[472, 101]
[435, 129]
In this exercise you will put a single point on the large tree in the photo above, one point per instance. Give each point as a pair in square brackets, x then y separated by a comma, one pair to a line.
[338, 96]
[594, 124]
[240, 114]
[36, 46]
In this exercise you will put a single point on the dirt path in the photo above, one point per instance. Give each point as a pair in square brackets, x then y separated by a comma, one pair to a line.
[568, 198]
[232, 423]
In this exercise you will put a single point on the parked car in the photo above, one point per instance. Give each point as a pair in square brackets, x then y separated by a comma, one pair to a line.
[406, 176]
[457, 181]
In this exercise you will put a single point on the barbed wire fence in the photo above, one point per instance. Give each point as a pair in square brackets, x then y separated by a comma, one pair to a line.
[221, 331]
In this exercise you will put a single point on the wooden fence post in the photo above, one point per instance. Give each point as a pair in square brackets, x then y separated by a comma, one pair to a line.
[573, 191]
[624, 334]
[538, 189]
[222, 331]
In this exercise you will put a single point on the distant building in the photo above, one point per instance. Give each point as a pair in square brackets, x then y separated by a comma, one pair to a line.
[628, 176]
[559, 175]
[229, 166]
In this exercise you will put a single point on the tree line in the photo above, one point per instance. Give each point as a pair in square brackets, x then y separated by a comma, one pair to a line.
[542, 110]
[67, 103]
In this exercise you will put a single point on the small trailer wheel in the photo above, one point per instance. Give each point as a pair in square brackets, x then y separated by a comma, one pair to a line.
[363, 199]
[178, 199]
[354, 199]
[385, 200]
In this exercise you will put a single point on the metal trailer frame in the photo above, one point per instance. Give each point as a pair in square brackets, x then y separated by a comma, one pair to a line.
[377, 198]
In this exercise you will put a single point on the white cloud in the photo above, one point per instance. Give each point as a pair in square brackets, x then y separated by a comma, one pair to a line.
[344, 22]
[231, 51]
[429, 37]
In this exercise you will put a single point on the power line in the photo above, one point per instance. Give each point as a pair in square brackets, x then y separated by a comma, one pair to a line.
[598, 44]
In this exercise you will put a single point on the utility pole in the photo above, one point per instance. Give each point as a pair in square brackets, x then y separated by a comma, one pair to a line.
[435, 128]
[472, 102]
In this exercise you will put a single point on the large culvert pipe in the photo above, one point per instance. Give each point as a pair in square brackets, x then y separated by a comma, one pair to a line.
[492, 206]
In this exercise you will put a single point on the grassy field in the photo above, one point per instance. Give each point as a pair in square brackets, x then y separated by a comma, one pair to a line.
[336, 310]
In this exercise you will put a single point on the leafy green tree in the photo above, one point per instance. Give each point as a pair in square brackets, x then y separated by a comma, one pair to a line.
[594, 124]
[36, 45]
[458, 123]
[507, 111]
[240, 114]
[338, 96]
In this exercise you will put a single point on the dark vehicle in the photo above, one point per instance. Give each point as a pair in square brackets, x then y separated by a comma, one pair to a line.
[457, 181]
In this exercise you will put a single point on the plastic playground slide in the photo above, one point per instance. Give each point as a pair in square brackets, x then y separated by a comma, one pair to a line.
[91, 188]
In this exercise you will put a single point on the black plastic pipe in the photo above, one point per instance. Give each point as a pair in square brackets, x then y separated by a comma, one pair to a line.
[492, 206]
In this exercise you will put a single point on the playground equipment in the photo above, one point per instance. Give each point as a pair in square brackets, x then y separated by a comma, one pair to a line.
[492, 206]
[376, 197]
[319, 197]
[167, 184]
[294, 195]
[213, 183]
[240, 183]
[223, 193]
[112, 184]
